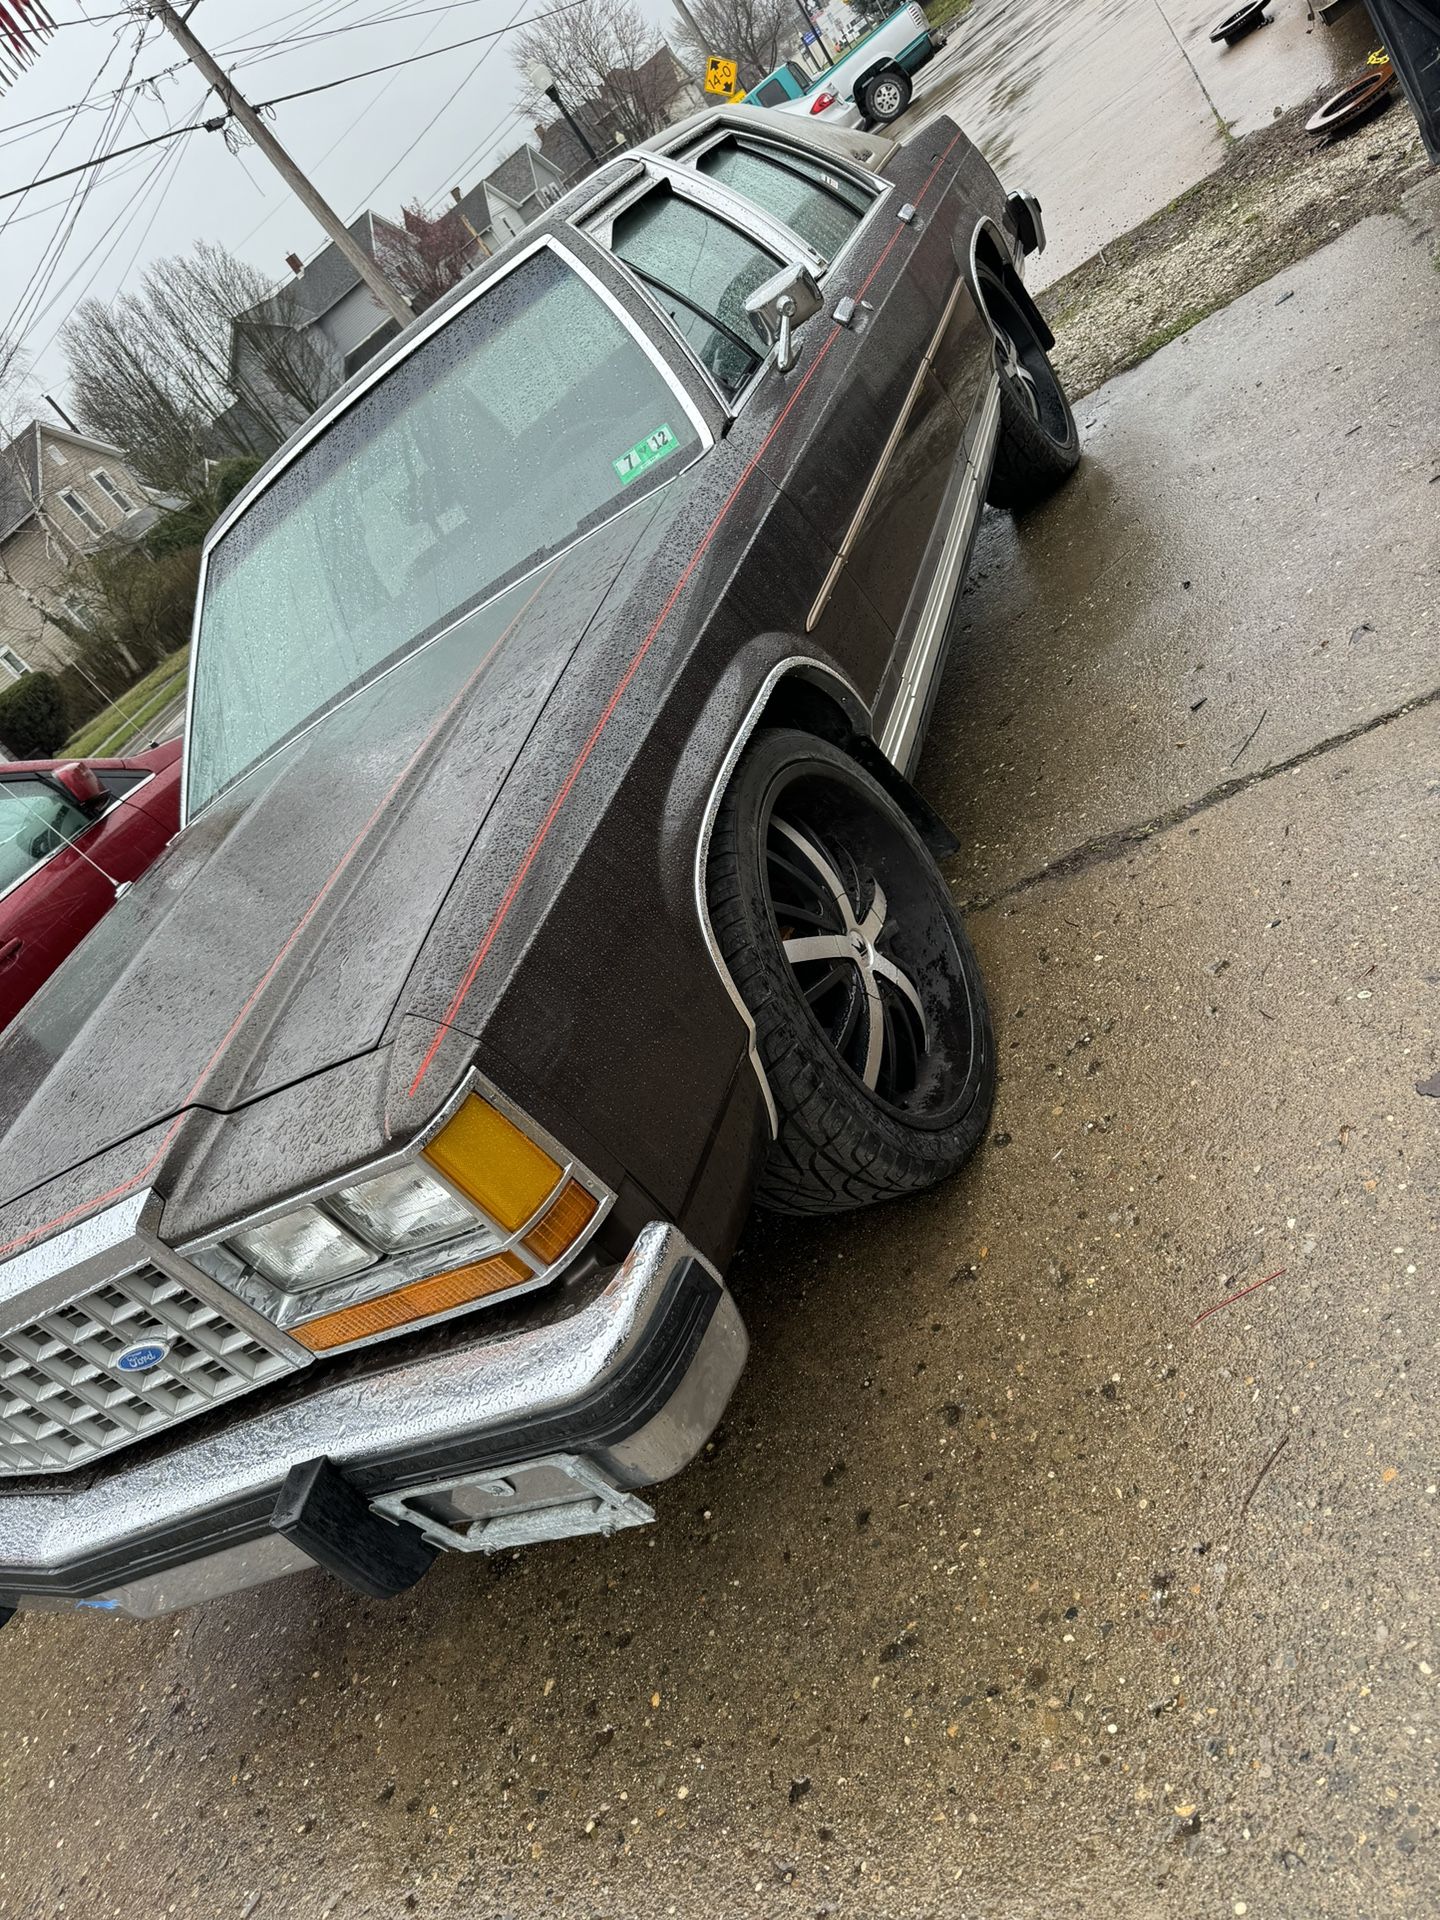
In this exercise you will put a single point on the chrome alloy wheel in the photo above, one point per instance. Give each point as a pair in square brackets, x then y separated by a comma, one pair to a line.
[1014, 369]
[865, 1002]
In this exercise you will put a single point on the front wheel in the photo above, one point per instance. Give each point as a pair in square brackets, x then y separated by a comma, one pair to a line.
[1039, 444]
[843, 942]
[886, 96]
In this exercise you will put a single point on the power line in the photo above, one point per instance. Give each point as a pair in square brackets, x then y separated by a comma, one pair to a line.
[280, 100]
[71, 111]
[343, 135]
[392, 16]
[433, 53]
[455, 91]
[39, 282]
[158, 172]
[261, 50]
[118, 153]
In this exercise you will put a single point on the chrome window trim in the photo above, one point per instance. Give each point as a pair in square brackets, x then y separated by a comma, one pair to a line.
[735, 210]
[798, 664]
[329, 414]
[887, 454]
[763, 136]
[749, 220]
[11, 779]
[387, 1272]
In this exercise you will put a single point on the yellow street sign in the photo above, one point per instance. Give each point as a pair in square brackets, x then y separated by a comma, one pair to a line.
[720, 75]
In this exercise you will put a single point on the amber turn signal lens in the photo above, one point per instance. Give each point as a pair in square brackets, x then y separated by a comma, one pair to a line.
[415, 1302]
[498, 1166]
[563, 1224]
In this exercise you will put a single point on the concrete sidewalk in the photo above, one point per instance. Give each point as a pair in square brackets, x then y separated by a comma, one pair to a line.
[1039, 1568]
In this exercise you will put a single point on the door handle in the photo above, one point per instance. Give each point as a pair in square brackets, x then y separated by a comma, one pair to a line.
[10, 951]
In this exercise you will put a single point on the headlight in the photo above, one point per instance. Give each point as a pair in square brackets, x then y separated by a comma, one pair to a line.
[404, 1208]
[481, 1209]
[303, 1249]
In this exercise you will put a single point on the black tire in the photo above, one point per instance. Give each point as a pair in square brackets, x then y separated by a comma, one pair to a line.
[886, 96]
[1039, 444]
[844, 1142]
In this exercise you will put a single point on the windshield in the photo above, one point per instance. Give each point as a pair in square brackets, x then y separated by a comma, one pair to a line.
[524, 421]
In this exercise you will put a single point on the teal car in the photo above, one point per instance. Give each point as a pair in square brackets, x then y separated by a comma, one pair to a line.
[870, 85]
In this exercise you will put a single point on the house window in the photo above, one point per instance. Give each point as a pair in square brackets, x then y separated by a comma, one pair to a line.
[82, 511]
[113, 493]
[76, 609]
[56, 454]
[12, 663]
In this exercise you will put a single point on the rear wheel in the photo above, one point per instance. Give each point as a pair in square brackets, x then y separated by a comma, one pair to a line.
[870, 1016]
[886, 96]
[1039, 444]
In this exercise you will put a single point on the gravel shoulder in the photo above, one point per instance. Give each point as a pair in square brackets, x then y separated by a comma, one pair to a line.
[1275, 200]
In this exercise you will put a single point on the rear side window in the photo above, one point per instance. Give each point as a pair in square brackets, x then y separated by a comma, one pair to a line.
[702, 270]
[770, 94]
[824, 208]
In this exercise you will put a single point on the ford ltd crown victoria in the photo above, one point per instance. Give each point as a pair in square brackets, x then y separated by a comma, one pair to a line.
[551, 886]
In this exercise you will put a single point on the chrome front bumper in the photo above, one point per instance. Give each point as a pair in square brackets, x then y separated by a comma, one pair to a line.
[562, 1420]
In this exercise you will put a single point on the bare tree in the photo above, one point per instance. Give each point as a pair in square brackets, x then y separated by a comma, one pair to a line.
[160, 372]
[749, 32]
[425, 257]
[598, 52]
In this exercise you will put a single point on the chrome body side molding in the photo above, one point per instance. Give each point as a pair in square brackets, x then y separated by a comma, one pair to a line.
[899, 737]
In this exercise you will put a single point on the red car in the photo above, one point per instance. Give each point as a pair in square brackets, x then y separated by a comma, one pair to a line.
[72, 833]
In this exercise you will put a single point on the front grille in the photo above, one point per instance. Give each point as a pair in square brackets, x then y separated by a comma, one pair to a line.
[63, 1401]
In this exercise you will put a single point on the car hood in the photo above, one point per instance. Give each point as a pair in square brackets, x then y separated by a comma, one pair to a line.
[274, 937]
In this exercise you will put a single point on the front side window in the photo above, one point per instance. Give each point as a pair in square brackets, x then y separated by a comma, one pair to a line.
[822, 206]
[527, 419]
[35, 821]
[702, 270]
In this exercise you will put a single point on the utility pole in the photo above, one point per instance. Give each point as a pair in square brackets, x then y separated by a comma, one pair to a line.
[385, 292]
[694, 26]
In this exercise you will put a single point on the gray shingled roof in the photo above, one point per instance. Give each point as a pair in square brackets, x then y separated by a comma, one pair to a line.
[475, 206]
[515, 176]
[327, 279]
[20, 480]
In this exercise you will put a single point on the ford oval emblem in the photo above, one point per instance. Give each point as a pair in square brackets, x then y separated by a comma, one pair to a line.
[141, 1356]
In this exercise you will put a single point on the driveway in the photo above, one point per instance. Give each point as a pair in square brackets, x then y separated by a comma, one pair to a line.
[1069, 1547]
[1110, 109]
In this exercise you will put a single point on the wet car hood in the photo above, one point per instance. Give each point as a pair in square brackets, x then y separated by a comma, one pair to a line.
[274, 937]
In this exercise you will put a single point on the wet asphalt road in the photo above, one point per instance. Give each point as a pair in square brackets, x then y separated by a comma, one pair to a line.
[984, 1601]
[993, 1596]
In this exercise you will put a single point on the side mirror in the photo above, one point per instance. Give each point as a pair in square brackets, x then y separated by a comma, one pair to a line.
[785, 301]
[81, 782]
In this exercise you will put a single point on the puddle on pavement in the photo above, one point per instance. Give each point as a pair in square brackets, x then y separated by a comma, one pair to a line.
[1108, 111]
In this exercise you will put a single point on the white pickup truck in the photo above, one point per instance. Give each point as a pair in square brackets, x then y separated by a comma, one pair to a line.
[870, 85]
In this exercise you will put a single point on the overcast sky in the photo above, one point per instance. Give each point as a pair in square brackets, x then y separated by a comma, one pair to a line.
[380, 142]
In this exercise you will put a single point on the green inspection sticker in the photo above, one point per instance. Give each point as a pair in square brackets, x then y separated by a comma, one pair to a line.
[629, 466]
